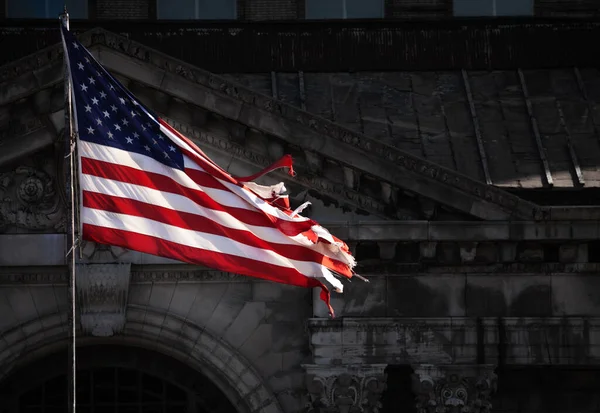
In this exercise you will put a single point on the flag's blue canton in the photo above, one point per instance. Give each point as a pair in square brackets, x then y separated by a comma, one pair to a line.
[108, 114]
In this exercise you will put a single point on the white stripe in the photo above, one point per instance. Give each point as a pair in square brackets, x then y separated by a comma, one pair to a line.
[200, 240]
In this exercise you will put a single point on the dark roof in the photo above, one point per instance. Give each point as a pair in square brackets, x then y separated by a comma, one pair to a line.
[429, 114]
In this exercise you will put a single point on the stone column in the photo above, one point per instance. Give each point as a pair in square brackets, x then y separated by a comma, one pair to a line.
[454, 388]
[345, 389]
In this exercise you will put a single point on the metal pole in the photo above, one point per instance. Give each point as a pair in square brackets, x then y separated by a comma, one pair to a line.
[70, 142]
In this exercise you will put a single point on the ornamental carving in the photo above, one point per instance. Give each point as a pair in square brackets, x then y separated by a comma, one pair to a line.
[345, 390]
[17, 127]
[28, 200]
[454, 388]
[102, 297]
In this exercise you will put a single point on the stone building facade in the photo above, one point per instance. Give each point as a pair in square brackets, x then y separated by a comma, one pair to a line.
[463, 172]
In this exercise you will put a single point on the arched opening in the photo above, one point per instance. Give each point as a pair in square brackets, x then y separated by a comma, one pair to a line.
[112, 379]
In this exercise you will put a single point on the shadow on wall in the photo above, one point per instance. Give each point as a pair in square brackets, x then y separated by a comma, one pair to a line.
[547, 389]
[520, 389]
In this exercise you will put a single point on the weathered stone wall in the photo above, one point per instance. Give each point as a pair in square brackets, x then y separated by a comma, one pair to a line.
[473, 292]
[260, 322]
[547, 389]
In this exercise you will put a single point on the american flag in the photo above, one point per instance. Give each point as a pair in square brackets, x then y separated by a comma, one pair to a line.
[146, 187]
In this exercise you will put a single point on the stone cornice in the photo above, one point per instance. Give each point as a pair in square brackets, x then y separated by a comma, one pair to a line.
[48, 249]
[467, 231]
[180, 273]
[386, 163]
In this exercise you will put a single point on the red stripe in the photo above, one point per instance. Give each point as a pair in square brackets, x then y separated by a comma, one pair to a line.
[224, 262]
[203, 224]
[165, 184]
[284, 162]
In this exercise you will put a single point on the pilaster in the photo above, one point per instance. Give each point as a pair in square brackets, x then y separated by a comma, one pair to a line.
[345, 389]
[454, 388]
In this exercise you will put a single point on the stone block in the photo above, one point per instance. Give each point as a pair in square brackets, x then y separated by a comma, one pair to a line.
[218, 304]
[358, 299]
[426, 296]
[268, 364]
[487, 252]
[468, 251]
[530, 252]
[428, 250]
[20, 303]
[259, 342]
[161, 295]
[32, 249]
[267, 291]
[184, 296]
[247, 320]
[575, 295]
[448, 253]
[387, 250]
[569, 253]
[508, 251]
[507, 295]
[43, 299]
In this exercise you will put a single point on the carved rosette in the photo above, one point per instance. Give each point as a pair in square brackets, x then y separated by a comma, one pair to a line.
[347, 389]
[102, 297]
[28, 200]
[454, 388]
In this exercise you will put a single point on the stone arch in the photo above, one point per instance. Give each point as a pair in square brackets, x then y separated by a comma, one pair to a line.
[153, 330]
[183, 387]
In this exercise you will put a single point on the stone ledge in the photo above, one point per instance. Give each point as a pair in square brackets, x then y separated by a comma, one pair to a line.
[456, 340]
[49, 249]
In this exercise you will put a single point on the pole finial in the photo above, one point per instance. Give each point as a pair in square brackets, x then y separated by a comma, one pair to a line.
[64, 17]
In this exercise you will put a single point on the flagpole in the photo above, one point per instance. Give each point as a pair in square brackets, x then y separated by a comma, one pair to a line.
[70, 143]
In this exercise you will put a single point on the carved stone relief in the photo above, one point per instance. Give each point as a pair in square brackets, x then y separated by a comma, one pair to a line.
[454, 388]
[29, 200]
[347, 389]
[102, 296]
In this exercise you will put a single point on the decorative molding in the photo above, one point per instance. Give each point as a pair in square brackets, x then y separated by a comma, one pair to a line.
[34, 278]
[28, 200]
[454, 388]
[563, 340]
[345, 389]
[516, 206]
[102, 297]
[201, 276]
[138, 276]
[99, 253]
[18, 127]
